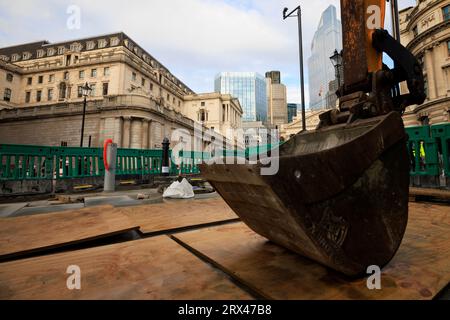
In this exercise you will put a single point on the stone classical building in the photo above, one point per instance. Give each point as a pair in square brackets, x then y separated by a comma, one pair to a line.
[277, 113]
[312, 121]
[425, 31]
[219, 112]
[135, 100]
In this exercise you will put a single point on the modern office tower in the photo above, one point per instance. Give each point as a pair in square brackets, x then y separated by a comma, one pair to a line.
[277, 112]
[327, 38]
[249, 88]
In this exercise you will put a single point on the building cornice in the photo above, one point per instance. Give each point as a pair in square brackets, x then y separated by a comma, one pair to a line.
[429, 104]
[416, 13]
[95, 106]
[427, 34]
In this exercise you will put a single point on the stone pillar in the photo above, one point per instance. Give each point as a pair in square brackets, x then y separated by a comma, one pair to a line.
[438, 53]
[117, 134]
[432, 94]
[136, 134]
[126, 132]
[145, 133]
[151, 142]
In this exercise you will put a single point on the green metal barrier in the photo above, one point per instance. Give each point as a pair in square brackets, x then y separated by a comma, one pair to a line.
[423, 152]
[441, 135]
[24, 162]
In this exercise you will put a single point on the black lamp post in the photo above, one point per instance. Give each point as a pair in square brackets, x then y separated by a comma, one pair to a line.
[85, 91]
[300, 44]
[336, 60]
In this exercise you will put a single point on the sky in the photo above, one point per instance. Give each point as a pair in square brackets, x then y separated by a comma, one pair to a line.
[194, 39]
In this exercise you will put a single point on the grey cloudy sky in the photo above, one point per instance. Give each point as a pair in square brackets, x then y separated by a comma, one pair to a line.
[195, 39]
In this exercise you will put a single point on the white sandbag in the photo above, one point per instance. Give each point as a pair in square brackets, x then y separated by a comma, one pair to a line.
[179, 190]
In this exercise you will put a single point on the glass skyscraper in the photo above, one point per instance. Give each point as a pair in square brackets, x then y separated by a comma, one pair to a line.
[327, 38]
[249, 88]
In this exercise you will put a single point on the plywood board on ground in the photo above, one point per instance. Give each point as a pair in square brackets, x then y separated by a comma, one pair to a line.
[178, 214]
[154, 268]
[28, 234]
[420, 269]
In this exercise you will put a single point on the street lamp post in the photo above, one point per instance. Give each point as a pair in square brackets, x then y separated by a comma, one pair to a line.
[336, 60]
[85, 91]
[300, 44]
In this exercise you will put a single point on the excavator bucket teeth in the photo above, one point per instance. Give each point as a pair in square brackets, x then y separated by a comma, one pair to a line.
[340, 196]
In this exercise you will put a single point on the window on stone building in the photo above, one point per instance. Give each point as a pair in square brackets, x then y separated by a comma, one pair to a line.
[62, 91]
[202, 104]
[425, 85]
[202, 116]
[50, 51]
[168, 97]
[68, 60]
[81, 74]
[105, 89]
[40, 53]
[7, 94]
[143, 82]
[80, 92]
[448, 47]
[102, 43]
[39, 95]
[27, 96]
[94, 73]
[90, 45]
[51, 78]
[133, 76]
[26, 56]
[173, 100]
[446, 12]
[15, 57]
[76, 47]
[106, 72]
[425, 121]
[40, 79]
[179, 103]
[61, 50]
[93, 90]
[66, 75]
[50, 94]
[114, 41]
[29, 81]
[151, 86]
[9, 77]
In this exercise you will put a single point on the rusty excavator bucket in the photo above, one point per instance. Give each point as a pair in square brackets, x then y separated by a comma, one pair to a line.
[340, 196]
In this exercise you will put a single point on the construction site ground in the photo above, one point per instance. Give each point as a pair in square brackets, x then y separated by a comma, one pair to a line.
[193, 249]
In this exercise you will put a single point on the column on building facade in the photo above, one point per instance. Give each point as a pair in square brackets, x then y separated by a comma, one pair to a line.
[145, 133]
[136, 134]
[432, 94]
[441, 84]
[110, 128]
[151, 140]
[126, 132]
